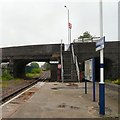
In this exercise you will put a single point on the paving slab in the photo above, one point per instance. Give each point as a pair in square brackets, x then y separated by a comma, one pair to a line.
[65, 100]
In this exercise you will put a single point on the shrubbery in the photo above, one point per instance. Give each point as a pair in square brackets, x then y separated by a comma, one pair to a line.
[117, 81]
[36, 70]
[33, 70]
[6, 75]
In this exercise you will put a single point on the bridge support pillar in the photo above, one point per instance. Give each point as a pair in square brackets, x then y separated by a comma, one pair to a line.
[53, 68]
[11, 64]
[17, 69]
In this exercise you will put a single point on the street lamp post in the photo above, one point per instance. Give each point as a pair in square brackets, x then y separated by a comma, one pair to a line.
[69, 27]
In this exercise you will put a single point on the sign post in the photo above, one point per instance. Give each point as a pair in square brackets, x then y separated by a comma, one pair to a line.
[100, 46]
[93, 74]
[101, 83]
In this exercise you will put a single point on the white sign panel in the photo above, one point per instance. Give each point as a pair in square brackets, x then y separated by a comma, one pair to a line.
[54, 62]
[100, 43]
[88, 69]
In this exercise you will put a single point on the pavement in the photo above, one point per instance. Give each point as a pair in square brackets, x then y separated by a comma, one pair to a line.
[62, 100]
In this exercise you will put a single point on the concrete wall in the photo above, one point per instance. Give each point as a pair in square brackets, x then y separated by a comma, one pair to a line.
[86, 51]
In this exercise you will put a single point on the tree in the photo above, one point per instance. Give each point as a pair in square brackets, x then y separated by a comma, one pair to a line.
[34, 65]
[32, 68]
[86, 35]
[46, 66]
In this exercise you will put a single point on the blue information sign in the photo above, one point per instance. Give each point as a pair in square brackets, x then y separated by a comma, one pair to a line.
[100, 43]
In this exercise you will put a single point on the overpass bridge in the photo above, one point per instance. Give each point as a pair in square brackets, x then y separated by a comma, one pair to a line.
[19, 57]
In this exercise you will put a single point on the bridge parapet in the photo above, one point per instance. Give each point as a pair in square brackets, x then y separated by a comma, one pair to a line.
[31, 52]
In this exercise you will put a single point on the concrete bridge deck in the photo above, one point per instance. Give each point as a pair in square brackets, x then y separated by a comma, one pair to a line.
[19, 56]
[38, 52]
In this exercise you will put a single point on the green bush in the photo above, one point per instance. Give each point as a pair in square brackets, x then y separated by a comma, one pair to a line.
[34, 73]
[116, 81]
[33, 70]
[6, 75]
[31, 75]
[36, 70]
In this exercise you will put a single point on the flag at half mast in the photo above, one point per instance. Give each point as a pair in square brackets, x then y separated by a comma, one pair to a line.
[70, 25]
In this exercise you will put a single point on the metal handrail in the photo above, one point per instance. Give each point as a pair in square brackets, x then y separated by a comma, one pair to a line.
[78, 72]
[73, 54]
[62, 63]
[76, 63]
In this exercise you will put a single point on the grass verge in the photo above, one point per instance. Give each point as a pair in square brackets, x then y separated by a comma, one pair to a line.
[117, 81]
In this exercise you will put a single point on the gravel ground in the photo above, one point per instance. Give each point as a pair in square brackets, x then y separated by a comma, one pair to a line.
[11, 86]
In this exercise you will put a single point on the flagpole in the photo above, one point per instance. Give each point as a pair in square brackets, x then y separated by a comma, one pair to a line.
[69, 30]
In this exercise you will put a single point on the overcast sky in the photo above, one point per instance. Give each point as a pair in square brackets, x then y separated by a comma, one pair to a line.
[31, 22]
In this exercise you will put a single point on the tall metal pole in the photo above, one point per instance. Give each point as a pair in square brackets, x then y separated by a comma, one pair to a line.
[69, 30]
[101, 83]
[101, 19]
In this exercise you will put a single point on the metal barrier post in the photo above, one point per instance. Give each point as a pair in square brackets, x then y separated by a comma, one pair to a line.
[93, 72]
[62, 64]
[85, 86]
